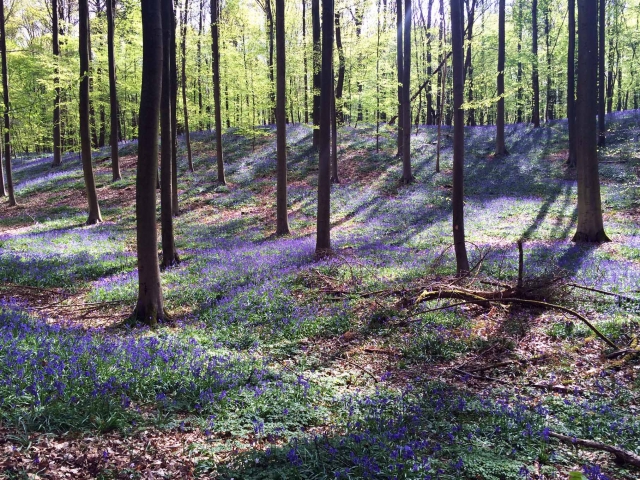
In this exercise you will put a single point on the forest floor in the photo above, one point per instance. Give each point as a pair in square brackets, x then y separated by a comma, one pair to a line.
[278, 365]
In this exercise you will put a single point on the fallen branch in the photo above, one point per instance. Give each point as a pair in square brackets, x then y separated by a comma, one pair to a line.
[361, 368]
[382, 351]
[604, 292]
[622, 456]
[541, 386]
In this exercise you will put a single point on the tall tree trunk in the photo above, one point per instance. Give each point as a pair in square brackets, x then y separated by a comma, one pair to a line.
[535, 82]
[334, 138]
[305, 61]
[187, 134]
[500, 147]
[57, 140]
[590, 224]
[315, 27]
[341, 71]
[150, 306]
[215, 65]
[269, 13]
[199, 66]
[549, 114]
[602, 128]
[400, 63]
[430, 111]
[113, 98]
[282, 217]
[520, 91]
[407, 176]
[7, 108]
[468, 65]
[571, 84]
[323, 238]
[169, 254]
[173, 52]
[85, 134]
[457, 199]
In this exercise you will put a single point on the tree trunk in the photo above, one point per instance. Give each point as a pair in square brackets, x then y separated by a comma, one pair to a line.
[85, 134]
[149, 307]
[341, 71]
[215, 53]
[590, 224]
[468, 65]
[315, 27]
[113, 98]
[169, 254]
[323, 238]
[199, 60]
[571, 84]
[549, 113]
[462, 262]
[334, 137]
[430, 111]
[400, 63]
[535, 82]
[282, 217]
[407, 176]
[187, 134]
[602, 128]
[7, 109]
[269, 13]
[305, 61]
[57, 140]
[520, 91]
[173, 52]
[500, 147]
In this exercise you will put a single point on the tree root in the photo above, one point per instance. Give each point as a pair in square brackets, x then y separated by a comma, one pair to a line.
[622, 456]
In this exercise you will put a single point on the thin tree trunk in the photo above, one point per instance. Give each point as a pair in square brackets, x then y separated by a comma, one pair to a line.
[113, 97]
[535, 82]
[169, 254]
[85, 134]
[199, 60]
[430, 111]
[315, 27]
[305, 61]
[468, 65]
[407, 176]
[590, 225]
[500, 146]
[334, 137]
[269, 13]
[173, 52]
[602, 128]
[549, 114]
[520, 91]
[571, 84]
[7, 108]
[282, 217]
[57, 140]
[341, 71]
[150, 306]
[215, 53]
[400, 63]
[457, 198]
[187, 134]
[323, 238]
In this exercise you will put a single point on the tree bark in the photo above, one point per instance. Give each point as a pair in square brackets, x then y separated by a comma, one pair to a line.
[323, 238]
[400, 63]
[430, 111]
[150, 306]
[500, 146]
[85, 134]
[173, 52]
[535, 82]
[187, 134]
[468, 65]
[282, 217]
[549, 113]
[341, 71]
[407, 176]
[571, 84]
[169, 254]
[113, 97]
[315, 27]
[305, 61]
[7, 109]
[590, 224]
[602, 128]
[519, 95]
[462, 262]
[215, 53]
[334, 138]
[57, 139]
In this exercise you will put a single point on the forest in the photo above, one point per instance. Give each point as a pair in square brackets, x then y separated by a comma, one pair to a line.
[308, 239]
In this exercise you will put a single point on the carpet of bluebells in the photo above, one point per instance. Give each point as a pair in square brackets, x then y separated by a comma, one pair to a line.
[238, 363]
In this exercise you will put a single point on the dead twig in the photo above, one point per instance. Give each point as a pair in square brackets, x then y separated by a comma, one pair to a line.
[361, 368]
[622, 456]
[604, 292]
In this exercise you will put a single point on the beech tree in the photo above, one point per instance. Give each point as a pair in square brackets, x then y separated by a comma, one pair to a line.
[500, 147]
[457, 197]
[601, 92]
[85, 134]
[57, 140]
[590, 225]
[315, 36]
[7, 107]
[323, 234]
[187, 135]
[215, 65]
[282, 218]
[150, 306]
[407, 176]
[571, 84]
[400, 62]
[535, 81]
[113, 97]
